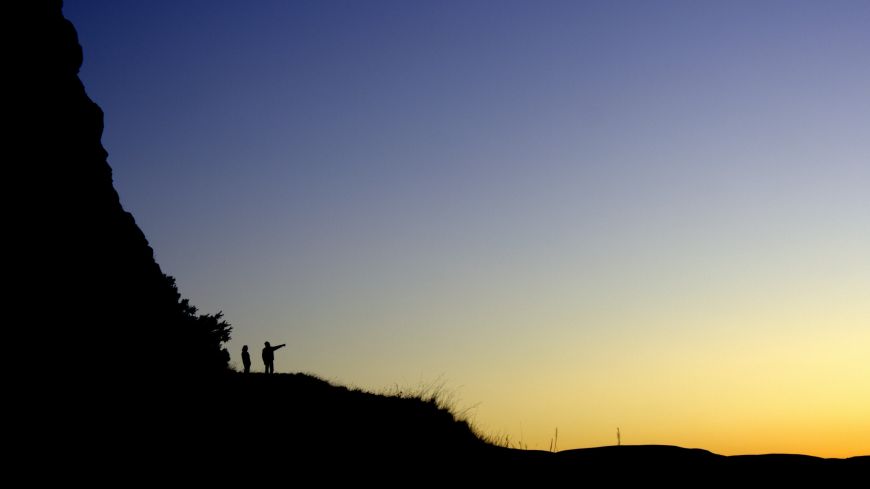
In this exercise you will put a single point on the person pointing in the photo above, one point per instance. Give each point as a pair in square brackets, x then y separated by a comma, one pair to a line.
[269, 356]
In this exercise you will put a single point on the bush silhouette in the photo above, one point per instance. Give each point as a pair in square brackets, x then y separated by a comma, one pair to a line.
[198, 338]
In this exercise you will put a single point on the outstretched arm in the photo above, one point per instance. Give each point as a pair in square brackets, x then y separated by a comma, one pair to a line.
[282, 345]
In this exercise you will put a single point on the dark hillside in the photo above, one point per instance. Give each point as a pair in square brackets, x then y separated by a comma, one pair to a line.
[305, 422]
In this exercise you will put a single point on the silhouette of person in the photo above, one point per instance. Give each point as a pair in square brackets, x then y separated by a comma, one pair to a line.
[246, 359]
[269, 356]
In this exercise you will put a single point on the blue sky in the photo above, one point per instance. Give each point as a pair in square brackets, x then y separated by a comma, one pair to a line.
[511, 195]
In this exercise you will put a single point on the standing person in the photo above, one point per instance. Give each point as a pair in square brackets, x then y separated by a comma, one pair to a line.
[246, 359]
[269, 356]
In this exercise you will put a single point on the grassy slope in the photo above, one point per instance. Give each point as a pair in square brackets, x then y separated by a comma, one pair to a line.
[297, 424]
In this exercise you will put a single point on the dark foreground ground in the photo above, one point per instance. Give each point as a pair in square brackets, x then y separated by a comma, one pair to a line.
[297, 430]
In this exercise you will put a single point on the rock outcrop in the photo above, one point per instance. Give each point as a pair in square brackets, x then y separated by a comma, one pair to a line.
[95, 301]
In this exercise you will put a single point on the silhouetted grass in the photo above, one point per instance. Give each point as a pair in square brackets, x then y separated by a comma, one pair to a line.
[298, 422]
[325, 416]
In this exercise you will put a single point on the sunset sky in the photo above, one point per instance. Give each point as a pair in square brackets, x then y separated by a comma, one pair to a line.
[579, 215]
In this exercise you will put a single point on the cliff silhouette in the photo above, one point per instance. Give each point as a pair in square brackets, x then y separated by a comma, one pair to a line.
[101, 301]
[100, 334]
[122, 381]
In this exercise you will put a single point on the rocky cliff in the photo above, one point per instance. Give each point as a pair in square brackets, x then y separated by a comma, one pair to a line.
[93, 298]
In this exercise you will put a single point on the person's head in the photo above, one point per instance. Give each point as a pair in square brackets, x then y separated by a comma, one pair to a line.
[245, 348]
[267, 344]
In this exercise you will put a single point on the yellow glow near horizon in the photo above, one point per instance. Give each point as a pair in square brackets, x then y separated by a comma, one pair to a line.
[785, 372]
[787, 386]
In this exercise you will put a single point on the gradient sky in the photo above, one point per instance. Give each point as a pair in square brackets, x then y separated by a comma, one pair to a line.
[578, 215]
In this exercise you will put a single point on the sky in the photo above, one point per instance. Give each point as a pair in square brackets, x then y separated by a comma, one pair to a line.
[581, 215]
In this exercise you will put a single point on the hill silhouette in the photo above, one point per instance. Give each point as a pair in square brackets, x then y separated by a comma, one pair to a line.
[307, 422]
[125, 382]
